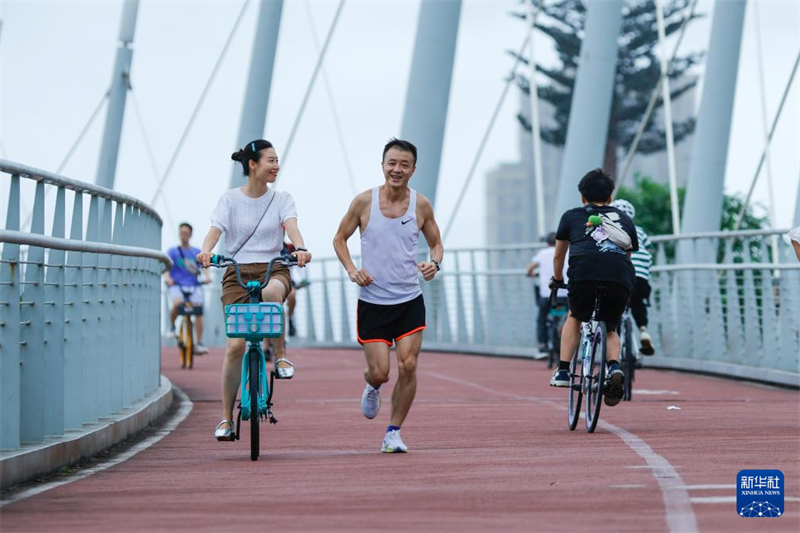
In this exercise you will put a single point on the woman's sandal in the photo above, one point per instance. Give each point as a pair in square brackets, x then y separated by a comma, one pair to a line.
[225, 434]
[284, 373]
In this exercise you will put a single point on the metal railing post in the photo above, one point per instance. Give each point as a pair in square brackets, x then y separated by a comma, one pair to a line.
[91, 350]
[116, 307]
[9, 326]
[54, 381]
[73, 324]
[105, 314]
[31, 316]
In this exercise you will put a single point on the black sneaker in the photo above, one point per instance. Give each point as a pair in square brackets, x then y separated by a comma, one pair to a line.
[292, 330]
[560, 378]
[615, 385]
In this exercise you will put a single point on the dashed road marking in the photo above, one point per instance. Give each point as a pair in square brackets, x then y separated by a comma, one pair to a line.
[678, 511]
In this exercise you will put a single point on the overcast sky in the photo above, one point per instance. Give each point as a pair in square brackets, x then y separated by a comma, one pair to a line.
[56, 60]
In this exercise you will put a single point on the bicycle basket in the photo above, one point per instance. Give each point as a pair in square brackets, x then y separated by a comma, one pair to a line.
[261, 320]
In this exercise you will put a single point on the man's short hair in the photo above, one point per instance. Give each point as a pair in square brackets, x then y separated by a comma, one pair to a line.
[551, 238]
[401, 145]
[596, 186]
[186, 224]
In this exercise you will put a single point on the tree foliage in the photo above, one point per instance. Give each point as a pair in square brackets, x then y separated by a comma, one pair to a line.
[637, 74]
[654, 212]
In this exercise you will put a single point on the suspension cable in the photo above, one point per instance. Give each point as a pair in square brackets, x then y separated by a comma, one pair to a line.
[486, 135]
[200, 101]
[72, 150]
[766, 145]
[311, 84]
[332, 102]
[150, 156]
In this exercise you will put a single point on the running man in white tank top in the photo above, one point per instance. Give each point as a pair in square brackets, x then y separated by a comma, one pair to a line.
[390, 306]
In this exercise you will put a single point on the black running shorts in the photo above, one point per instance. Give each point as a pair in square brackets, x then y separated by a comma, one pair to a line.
[613, 304]
[390, 323]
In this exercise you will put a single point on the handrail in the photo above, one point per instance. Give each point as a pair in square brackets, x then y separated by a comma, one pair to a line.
[718, 235]
[43, 241]
[726, 266]
[10, 167]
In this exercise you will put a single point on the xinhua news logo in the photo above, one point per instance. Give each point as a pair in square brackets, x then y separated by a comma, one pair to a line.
[759, 493]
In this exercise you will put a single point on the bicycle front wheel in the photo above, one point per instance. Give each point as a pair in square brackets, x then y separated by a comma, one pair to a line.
[255, 414]
[575, 389]
[188, 344]
[595, 380]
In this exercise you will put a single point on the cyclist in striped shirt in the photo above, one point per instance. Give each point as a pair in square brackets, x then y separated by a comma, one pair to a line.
[642, 260]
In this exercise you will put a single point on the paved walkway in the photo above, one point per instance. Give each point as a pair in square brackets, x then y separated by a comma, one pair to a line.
[489, 451]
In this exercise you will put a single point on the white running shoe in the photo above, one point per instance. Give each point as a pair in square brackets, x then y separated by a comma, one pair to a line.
[646, 343]
[199, 349]
[371, 401]
[392, 443]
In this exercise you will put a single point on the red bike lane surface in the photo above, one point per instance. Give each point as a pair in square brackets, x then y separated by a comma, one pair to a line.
[489, 451]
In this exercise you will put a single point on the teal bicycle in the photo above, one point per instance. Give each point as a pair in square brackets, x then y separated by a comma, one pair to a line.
[254, 321]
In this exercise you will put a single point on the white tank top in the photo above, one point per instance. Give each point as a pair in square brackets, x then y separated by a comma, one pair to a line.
[388, 253]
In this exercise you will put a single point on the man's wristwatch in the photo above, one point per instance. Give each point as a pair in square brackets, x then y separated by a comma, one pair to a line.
[435, 262]
[300, 250]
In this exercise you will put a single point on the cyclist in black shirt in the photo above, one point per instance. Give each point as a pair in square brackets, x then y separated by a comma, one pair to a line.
[600, 240]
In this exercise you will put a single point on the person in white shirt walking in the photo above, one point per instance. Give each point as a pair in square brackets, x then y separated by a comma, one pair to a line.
[390, 306]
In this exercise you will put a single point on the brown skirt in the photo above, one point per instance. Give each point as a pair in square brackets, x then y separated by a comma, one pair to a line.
[233, 293]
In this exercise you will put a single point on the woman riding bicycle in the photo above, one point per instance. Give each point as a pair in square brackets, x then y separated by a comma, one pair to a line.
[252, 218]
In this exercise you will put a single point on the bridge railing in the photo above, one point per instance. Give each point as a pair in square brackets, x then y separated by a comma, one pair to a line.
[737, 314]
[79, 316]
[481, 301]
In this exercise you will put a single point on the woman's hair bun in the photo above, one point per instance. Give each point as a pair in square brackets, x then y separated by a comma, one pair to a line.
[237, 155]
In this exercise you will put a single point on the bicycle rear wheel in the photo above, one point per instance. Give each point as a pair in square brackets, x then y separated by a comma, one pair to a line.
[628, 360]
[575, 389]
[595, 381]
[255, 413]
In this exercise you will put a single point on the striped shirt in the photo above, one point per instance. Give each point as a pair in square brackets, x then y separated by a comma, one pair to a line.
[642, 259]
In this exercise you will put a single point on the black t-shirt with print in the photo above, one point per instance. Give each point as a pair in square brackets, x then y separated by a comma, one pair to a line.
[590, 260]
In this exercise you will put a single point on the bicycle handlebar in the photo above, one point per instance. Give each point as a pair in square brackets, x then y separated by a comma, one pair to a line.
[554, 292]
[220, 261]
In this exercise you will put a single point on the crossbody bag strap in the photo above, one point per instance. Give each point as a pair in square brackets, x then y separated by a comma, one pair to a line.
[274, 194]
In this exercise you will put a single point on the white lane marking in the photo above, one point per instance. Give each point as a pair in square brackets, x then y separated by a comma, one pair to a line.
[648, 467]
[677, 505]
[185, 407]
[732, 499]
